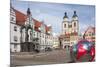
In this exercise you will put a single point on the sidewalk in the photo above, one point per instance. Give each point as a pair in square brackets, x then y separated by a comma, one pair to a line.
[25, 54]
[50, 57]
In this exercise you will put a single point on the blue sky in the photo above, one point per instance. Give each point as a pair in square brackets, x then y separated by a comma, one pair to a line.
[52, 13]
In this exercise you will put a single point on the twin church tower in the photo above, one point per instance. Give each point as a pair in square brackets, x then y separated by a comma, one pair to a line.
[70, 26]
[70, 30]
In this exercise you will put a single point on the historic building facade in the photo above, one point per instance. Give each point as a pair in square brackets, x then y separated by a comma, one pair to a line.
[70, 30]
[28, 34]
[56, 43]
[26, 31]
[90, 34]
[14, 32]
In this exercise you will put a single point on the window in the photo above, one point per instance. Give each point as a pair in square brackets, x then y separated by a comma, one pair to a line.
[64, 25]
[93, 34]
[15, 46]
[15, 28]
[40, 35]
[15, 38]
[74, 24]
[12, 18]
[34, 34]
[90, 34]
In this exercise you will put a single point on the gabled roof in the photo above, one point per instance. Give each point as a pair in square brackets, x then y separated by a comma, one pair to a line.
[47, 28]
[21, 18]
[37, 23]
[90, 27]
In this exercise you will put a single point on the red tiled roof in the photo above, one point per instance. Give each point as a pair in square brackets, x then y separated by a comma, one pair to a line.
[47, 28]
[20, 20]
[67, 35]
[37, 23]
[20, 17]
[93, 28]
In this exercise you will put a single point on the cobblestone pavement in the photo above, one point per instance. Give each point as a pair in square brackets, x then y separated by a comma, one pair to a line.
[51, 57]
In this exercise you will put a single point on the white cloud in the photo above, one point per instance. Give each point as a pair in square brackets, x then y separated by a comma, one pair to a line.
[53, 21]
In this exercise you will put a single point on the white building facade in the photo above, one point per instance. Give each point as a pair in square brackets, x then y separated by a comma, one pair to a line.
[14, 33]
[56, 43]
[28, 34]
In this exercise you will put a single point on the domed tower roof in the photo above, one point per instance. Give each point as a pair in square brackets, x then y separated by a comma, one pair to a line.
[75, 15]
[65, 15]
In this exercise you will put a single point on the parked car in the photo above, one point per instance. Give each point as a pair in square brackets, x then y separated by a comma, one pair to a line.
[37, 51]
[48, 49]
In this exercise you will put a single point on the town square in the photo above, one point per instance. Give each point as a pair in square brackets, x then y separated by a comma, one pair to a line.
[51, 33]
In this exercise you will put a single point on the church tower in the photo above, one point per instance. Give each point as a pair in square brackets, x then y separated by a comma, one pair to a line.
[75, 23]
[29, 20]
[65, 24]
[26, 33]
[26, 30]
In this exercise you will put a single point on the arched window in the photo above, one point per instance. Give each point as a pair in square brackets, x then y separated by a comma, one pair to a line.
[74, 24]
[64, 25]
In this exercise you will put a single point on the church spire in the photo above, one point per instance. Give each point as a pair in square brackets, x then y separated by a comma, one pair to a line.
[28, 11]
